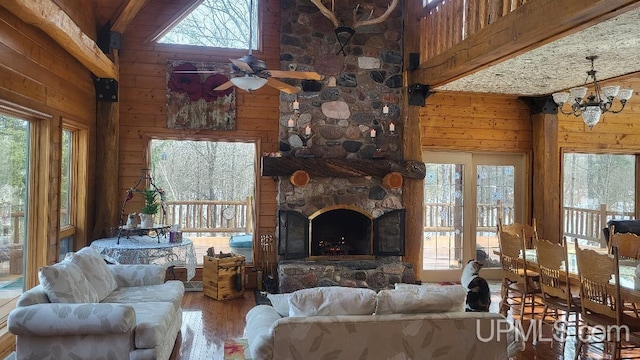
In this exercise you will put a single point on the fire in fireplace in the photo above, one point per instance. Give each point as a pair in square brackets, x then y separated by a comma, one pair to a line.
[340, 232]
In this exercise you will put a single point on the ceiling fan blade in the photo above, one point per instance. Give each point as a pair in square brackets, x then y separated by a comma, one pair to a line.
[224, 86]
[282, 86]
[242, 65]
[305, 75]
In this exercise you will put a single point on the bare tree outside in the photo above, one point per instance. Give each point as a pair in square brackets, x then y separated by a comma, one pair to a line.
[209, 188]
[204, 170]
[217, 23]
[594, 179]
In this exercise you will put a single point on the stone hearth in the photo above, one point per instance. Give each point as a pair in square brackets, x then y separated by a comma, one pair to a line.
[373, 274]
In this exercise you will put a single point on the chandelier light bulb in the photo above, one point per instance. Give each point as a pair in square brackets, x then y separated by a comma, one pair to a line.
[625, 94]
[610, 92]
[591, 115]
[560, 98]
[578, 93]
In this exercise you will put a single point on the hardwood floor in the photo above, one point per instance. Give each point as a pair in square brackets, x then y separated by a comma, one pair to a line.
[207, 323]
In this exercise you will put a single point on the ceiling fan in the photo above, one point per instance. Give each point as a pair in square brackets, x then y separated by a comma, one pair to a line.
[251, 73]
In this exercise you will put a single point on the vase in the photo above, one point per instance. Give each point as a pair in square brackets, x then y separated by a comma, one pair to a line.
[146, 221]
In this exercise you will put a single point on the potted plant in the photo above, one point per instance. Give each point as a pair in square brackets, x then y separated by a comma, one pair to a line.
[150, 208]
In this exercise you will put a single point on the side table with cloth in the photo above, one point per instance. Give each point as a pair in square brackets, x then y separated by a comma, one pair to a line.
[147, 250]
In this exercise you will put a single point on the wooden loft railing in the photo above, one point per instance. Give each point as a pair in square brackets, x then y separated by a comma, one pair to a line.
[445, 23]
[458, 37]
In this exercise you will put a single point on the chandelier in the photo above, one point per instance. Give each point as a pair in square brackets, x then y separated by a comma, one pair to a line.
[593, 106]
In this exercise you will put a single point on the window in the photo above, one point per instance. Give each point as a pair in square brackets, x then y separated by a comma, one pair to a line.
[217, 23]
[72, 186]
[209, 187]
[14, 182]
[596, 189]
[66, 179]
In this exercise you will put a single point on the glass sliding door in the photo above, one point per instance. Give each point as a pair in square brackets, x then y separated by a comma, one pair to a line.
[464, 195]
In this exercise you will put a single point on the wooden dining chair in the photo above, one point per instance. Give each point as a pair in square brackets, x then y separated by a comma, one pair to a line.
[530, 231]
[628, 244]
[553, 260]
[601, 300]
[519, 284]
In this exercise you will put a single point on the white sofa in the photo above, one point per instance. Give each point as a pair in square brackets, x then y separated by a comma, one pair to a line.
[392, 324]
[87, 309]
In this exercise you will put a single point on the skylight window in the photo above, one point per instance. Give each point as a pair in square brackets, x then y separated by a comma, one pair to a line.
[217, 23]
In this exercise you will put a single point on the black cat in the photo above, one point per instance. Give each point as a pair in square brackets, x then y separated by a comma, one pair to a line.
[478, 293]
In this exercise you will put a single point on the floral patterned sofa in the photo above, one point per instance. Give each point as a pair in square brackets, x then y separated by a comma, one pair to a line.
[85, 308]
[403, 323]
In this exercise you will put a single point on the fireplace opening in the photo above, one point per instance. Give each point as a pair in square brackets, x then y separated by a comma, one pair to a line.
[341, 232]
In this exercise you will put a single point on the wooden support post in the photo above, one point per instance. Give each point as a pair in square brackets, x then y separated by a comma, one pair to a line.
[108, 200]
[412, 189]
[546, 171]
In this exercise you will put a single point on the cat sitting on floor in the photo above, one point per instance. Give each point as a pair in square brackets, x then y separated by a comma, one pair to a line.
[478, 293]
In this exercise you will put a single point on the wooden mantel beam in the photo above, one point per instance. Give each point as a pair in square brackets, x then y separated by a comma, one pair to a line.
[125, 14]
[50, 18]
[531, 25]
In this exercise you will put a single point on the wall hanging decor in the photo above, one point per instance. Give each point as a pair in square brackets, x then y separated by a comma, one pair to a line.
[192, 102]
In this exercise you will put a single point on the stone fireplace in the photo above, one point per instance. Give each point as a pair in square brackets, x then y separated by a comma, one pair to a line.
[344, 226]
[341, 245]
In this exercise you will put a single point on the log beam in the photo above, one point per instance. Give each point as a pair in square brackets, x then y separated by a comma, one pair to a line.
[125, 14]
[54, 21]
[530, 26]
[321, 167]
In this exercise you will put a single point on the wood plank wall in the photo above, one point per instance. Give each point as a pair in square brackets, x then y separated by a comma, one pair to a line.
[38, 74]
[475, 122]
[143, 87]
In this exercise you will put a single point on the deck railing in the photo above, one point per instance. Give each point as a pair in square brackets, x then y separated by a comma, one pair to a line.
[210, 216]
[584, 224]
[446, 23]
[440, 216]
[588, 224]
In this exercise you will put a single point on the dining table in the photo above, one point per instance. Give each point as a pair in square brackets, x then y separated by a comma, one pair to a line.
[629, 282]
[149, 250]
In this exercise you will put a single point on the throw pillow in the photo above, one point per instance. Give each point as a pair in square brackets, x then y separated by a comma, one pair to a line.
[421, 299]
[280, 302]
[95, 269]
[334, 300]
[64, 282]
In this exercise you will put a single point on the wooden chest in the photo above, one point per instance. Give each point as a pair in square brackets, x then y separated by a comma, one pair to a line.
[223, 278]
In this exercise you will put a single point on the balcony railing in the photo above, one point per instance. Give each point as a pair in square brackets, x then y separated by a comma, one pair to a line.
[448, 22]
